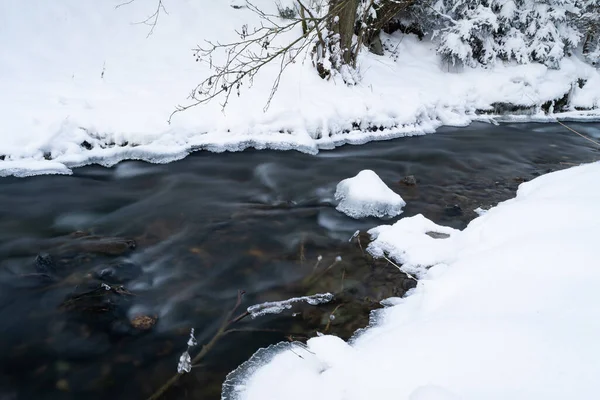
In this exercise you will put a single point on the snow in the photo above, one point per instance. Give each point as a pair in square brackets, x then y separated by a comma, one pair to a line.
[479, 211]
[23, 168]
[81, 82]
[505, 309]
[366, 195]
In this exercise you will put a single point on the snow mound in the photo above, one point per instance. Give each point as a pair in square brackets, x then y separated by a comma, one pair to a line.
[505, 309]
[415, 235]
[366, 195]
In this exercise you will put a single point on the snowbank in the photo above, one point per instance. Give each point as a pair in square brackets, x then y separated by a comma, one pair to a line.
[366, 195]
[506, 309]
[80, 83]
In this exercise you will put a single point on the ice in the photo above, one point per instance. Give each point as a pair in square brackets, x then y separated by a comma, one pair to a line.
[24, 168]
[185, 360]
[185, 363]
[480, 211]
[234, 385]
[275, 307]
[192, 340]
[504, 309]
[366, 195]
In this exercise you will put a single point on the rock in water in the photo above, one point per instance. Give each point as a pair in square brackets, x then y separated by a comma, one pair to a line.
[409, 180]
[143, 322]
[366, 195]
[118, 272]
[44, 264]
[453, 211]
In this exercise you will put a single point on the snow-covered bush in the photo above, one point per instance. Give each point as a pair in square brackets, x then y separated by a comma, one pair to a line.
[469, 39]
[473, 32]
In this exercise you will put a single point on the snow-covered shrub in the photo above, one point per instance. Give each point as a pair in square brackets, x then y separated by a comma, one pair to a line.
[475, 32]
[470, 39]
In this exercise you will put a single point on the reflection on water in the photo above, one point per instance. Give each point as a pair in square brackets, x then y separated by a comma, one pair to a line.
[181, 239]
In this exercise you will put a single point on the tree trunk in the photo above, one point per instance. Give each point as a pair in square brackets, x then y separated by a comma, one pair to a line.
[385, 11]
[342, 20]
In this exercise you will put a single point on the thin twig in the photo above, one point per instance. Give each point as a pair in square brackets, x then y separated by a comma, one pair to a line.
[227, 321]
[574, 131]
[400, 269]
[242, 61]
[332, 314]
[152, 20]
[124, 4]
[564, 125]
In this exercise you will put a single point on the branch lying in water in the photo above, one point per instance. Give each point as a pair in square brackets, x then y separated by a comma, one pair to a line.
[223, 330]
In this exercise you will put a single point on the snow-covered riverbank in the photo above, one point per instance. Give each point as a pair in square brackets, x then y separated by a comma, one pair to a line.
[81, 83]
[506, 308]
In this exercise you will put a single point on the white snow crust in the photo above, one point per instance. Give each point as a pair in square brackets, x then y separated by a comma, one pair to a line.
[366, 195]
[505, 309]
[81, 82]
[275, 307]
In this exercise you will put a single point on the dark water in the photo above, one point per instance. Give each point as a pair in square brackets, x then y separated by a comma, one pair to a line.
[176, 242]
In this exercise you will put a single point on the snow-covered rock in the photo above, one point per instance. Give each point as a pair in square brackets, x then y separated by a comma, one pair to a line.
[366, 195]
[505, 309]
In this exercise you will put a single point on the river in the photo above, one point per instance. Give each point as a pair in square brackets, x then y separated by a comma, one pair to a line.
[83, 257]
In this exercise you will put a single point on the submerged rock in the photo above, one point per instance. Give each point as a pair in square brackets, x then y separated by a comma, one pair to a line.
[143, 322]
[409, 180]
[437, 235]
[44, 264]
[113, 246]
[453, 211]
[119, 272]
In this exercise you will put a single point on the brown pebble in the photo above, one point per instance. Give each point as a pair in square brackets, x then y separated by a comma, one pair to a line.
[143, 322]
[63, 385]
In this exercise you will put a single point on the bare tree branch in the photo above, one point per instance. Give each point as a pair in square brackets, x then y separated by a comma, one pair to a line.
[152, 20]
[243, 59]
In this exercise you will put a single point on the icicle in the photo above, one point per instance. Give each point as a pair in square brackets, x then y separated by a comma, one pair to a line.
[185, 363]
[192, 340]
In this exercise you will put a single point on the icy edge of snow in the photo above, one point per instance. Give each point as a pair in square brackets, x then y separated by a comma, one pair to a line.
[164, 153]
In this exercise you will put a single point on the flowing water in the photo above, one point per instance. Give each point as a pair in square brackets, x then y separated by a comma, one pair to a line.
[103, 273]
